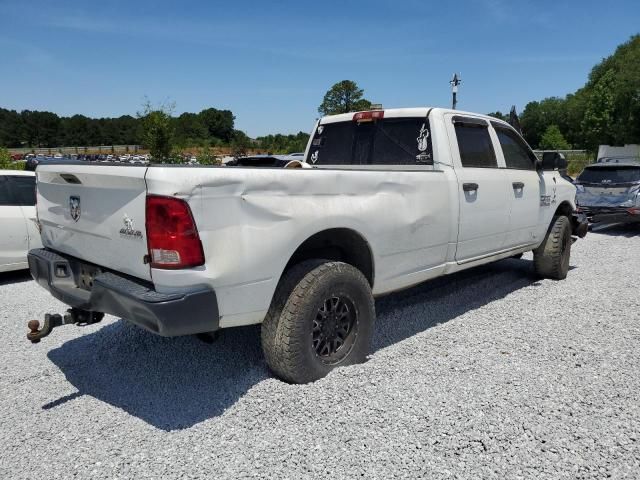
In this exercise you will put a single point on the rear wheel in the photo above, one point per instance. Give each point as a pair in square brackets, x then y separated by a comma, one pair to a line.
[321, 317]
[551, 258]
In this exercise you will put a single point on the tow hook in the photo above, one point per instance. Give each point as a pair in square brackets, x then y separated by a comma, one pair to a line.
[52, 320]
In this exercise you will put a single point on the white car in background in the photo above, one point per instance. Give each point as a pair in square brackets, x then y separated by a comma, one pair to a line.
[17, 218]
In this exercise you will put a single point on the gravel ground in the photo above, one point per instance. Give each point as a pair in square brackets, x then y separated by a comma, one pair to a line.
[484, 374]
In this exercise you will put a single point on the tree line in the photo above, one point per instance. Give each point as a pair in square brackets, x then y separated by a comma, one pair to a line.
[46, 129]
[605, 111]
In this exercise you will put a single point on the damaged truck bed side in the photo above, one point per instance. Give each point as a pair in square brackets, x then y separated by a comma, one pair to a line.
[393, 198]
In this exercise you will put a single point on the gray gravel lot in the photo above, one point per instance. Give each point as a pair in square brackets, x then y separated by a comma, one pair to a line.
[485, 374]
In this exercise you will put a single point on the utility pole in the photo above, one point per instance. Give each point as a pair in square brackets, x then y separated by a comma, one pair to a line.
[455, 81]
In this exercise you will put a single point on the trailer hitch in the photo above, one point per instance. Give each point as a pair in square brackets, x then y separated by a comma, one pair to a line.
[52, 320]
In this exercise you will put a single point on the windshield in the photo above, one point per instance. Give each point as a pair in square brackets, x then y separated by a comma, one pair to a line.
[610, 175]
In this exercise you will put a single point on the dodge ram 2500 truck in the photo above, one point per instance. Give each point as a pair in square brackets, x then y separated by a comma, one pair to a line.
[392, 198]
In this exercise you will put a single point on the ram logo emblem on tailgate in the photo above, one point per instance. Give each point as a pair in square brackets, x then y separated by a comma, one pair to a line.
[128, 229]
[74, 208]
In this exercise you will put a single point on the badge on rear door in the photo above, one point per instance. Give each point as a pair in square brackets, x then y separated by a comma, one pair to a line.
[74, 208]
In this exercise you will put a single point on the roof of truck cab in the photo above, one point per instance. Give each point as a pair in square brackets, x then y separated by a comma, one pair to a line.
[408, 112]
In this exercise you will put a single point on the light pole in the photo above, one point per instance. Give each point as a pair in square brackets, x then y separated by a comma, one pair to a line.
[455, 81]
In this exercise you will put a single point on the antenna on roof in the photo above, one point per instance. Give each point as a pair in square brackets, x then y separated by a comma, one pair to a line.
[455, 82]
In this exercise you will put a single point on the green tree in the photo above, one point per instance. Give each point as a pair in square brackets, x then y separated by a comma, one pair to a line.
[537, 116]
[499, 115]
[611, 98]
[5, 159]
[552, 139]
[283, 143]
[11, 128]
[240, 143]
[157, 130]
[218, 123]
[207, 157]
[41, 129]
[600, 113]
[189, 129]
[343, 97]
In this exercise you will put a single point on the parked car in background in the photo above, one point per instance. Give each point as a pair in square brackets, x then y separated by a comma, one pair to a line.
[18, 218]
[33, 161]
[265, 161]
[609, 191]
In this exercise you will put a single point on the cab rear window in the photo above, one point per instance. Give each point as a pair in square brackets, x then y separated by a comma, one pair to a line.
[390, 141]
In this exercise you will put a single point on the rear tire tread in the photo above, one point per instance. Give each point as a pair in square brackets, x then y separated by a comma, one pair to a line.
[283, 332]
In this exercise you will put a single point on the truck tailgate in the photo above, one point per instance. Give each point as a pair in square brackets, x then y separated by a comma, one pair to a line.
[95, 213]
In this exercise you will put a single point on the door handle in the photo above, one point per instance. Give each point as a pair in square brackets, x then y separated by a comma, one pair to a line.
[518, 185]
[469, 187]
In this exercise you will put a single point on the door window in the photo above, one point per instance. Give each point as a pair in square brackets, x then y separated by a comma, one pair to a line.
[474, 143]
[516, 153]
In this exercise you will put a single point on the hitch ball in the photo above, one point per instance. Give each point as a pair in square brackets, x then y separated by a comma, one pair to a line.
[34, 326]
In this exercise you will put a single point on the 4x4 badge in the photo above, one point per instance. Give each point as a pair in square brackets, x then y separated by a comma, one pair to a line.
[128, 230]
[74, 208]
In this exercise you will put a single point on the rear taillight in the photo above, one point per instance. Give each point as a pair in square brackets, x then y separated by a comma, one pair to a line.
[633, 211]
[172, 235]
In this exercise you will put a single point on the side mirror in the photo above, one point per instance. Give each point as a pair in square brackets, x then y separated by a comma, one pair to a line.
[538, 165]
[553, 161]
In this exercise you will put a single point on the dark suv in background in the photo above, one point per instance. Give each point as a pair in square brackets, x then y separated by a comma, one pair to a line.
[609, 191]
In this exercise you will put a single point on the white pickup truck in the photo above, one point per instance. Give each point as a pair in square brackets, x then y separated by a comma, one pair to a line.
[392, 198]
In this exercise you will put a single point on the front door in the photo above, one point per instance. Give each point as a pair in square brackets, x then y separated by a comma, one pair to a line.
[525, 186]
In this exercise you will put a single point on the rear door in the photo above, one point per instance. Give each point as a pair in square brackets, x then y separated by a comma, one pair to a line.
[525, 185]
[482, 189]
[13, 240]
[95, 213]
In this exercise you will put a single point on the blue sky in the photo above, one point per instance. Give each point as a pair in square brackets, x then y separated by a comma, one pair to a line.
[271, 62]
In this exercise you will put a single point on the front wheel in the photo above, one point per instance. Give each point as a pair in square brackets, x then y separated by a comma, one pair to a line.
[551, 258]
[321, 317]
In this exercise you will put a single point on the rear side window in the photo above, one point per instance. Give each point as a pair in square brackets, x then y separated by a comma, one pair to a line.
[23, 190]
[332, 144]
[516, 153]
[390, 141]
[608, 175]
[474, 143]
[17, 191]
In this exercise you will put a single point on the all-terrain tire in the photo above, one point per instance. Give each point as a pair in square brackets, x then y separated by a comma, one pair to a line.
[290, 333]
[551, 258]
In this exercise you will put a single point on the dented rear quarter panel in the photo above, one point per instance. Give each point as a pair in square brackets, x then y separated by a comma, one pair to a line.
[251, 221]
